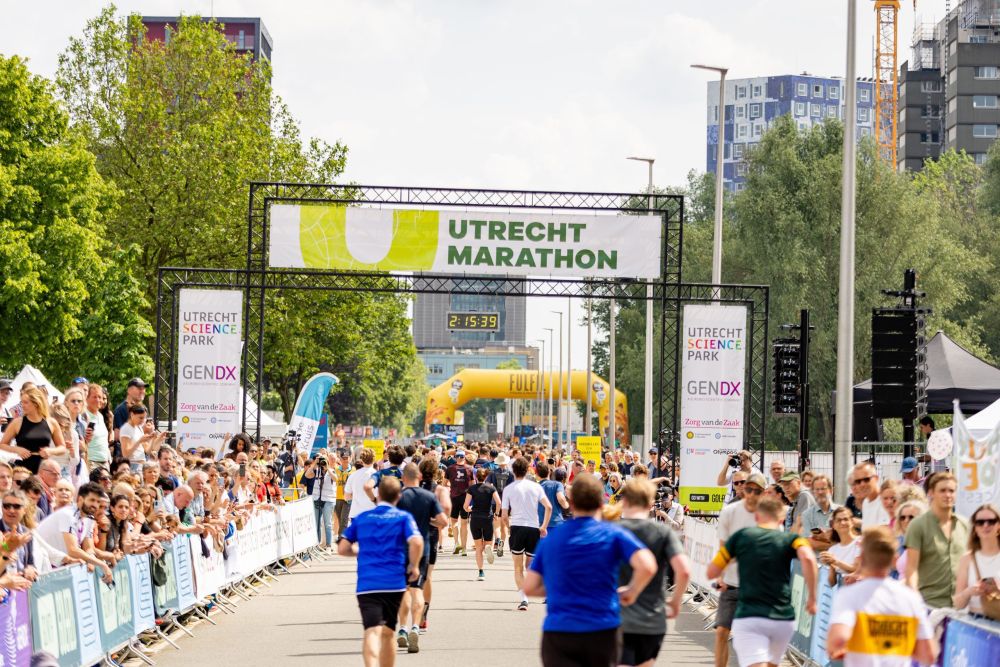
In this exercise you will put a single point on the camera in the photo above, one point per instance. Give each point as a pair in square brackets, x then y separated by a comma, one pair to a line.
[289, 440]
[734, 461]
[321, 461]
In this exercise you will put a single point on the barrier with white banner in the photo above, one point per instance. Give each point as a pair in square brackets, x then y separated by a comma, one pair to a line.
[72, 614]
[701, 543]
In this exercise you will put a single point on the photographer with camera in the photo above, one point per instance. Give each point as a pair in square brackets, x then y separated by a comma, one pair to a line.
[285, 460]
[324, 495]
[667, 510]
[742, 461]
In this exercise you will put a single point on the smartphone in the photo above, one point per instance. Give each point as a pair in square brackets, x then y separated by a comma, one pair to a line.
[171, 434]
[243, 470]
[91, 425]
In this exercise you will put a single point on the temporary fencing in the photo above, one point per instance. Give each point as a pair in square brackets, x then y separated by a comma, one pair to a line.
[73, 615]
[967, 640]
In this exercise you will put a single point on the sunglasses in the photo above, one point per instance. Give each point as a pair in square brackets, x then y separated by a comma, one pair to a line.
[861, 480]
[13, 506]
[752, 492]
[978, 522]
[907, 517]
[739, 483]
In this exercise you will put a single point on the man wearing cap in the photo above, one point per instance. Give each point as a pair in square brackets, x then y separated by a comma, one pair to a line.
[800, 498]
[734, 517]
[459, 476]
[910, 470]
[135, 394]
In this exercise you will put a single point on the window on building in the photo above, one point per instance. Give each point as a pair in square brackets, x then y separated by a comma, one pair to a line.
[977, 39]
[930, 111]
[241, 40]
[802, 90]
[757, 91]
[930, 86]
[756, 109]
[758, 130]
[435, 369]
[831, 112]
[865, 131]
[834, 92]
[741, 92]
[864, 114]
[800, 108]
[741, 169]
[737, 151]
[815, 110]
[740, 110]
[804, 127]
[987, 72]
[741, 132]
[715, 113]
[738, 187]
[984, 101]
[817, 90]
[929, 137]
[864, 94]
[980, 158]
[984, 131]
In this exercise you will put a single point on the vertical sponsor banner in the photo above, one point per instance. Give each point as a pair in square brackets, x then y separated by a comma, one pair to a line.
[209, 345]
[15, 630]
[589, 447]
[977, 464]
[142, 593]
[713, 373]
[309, 409]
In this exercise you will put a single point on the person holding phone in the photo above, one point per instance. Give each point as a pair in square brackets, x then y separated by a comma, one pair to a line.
[979, 568]
[95, 436]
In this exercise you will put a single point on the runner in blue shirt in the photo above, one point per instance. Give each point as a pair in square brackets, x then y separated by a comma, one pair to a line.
[388, 546]
[555, 492]
[576, 567]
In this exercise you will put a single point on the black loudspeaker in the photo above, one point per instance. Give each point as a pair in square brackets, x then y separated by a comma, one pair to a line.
[899, 363]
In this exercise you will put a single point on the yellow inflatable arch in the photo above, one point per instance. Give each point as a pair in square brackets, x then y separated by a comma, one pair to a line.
[472, 383]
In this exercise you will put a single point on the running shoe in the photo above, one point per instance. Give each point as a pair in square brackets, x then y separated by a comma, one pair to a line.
[450, 531]
[401, 639]
[423, 624]
[413, 642]
[523, 606]
[458, 550]
[482, 576]
[489, 554]
[464, 552]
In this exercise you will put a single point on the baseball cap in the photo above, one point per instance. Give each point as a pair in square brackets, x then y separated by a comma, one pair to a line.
[789, 476]
[758, 479]
[652, 450]
[6, 384]
[80, 380]
[136, 382]
[460, 452]
[909, 464]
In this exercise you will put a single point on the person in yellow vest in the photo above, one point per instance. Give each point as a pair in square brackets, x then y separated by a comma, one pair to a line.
[879, 620]
[342, 507]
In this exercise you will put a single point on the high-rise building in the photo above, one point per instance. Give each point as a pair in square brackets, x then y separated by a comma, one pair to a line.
[753, 104]
[950, 89]
[247, 34]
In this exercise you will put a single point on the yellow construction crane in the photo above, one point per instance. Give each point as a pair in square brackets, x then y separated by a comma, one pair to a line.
[886, 77]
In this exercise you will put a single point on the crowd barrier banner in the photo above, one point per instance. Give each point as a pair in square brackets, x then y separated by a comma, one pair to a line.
[969, 643]
[54, 621]
[142, 593]
[186, 597]
[809, 637]
[701, 543]
[88, 625]
[210, 572]
[15, 630]
[114, 606]
[303, 521]
[165, 596]
[283, 526]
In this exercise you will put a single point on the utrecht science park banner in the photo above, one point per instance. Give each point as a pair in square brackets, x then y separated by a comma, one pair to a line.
[209, 346]
[517, 243]
[713, 372]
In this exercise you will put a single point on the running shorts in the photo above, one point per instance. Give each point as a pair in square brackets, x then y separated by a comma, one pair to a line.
[637, 649]
[757, 640]
[524, 540]
[481, 528]
[432, 558]
[458, 507]
[581, 649]
[379, 609]
[422, 569]
[727, 608]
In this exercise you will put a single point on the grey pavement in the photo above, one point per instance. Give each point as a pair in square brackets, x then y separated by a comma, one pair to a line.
[310, 617]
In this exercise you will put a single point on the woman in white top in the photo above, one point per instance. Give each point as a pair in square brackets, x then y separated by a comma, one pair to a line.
[842, 557]
[63, 414]
[981, 562]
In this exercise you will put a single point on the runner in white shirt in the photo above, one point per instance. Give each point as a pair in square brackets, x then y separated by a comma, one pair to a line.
[354, 489]
[520, 502]
[879, 622]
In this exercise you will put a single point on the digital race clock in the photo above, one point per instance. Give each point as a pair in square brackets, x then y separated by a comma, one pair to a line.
[474, 321]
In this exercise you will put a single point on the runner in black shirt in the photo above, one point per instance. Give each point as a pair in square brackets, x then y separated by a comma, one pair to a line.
[481, 503]
[500, 478]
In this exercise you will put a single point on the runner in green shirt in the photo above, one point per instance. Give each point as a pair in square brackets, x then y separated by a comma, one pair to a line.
[765, 619]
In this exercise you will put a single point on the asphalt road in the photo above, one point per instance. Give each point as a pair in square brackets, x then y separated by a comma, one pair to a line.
[310, 617]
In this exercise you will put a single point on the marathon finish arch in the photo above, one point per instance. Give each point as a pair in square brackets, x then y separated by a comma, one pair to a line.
[473, 383]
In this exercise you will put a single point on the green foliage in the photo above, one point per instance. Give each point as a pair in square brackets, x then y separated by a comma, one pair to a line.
[71, 305]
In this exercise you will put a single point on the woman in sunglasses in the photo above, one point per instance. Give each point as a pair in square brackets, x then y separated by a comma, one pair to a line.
[906, 512]
[979, 568]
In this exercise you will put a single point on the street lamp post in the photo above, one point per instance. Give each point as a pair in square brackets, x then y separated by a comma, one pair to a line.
[541, 392]
[552, 350]
[719, 174]
[844, 427]
[588, 427]
[647, 406]
[569, 371]
[559, 405]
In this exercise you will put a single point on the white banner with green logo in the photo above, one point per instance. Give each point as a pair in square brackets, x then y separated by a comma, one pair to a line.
[507, 243]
